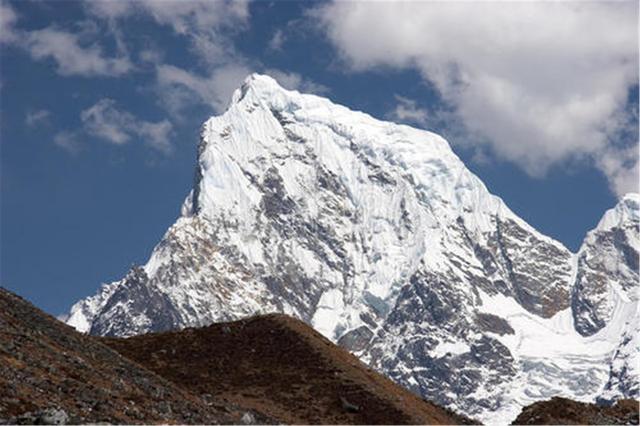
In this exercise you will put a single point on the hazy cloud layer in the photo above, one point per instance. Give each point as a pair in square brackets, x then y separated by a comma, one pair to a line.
[208, 27]
[541, 82]
[295, 81]
[71, 57]
[408, 111]
[35, 118]
[277, 41]
[73, 53]
[180, 88]
[8, 19]
[118, 127]
[69, 141]
[201, 21]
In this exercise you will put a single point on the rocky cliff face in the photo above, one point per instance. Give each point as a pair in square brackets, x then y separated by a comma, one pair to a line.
[605, 293]
[607, 267]
[379, 236]
[624, 370]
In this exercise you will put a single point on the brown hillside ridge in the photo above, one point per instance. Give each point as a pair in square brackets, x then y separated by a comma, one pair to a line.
[562, 411]
[282, 367]
[51, 374]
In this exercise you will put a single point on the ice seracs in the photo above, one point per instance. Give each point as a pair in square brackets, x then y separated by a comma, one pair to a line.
[379, 236]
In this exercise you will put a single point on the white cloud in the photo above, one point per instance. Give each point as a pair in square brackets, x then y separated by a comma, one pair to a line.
[541, 82]
[179, 88]
[71, 56]
[294, 81]
[8, 18]
[182, 16]
[69, 141]
[277, 40]
[156, 135]
[118, 127]
[201, 21]
[151, 55]
[208, 27]
[621, 166]
[407, 111]
[34, 118]
[105, 121]
[73, 53]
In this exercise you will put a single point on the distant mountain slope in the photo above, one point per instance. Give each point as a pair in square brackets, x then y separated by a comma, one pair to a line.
[378, 236]
[281, 367]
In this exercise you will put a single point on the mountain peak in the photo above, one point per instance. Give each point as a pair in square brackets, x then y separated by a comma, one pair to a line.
[374, 233]
[260, 80]
[627, 210]
[269, 125]
[258, 84]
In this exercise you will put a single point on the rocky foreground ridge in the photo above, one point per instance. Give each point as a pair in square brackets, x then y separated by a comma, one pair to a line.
[281, 367]
[262, 370]
[562, 411]
[266, 370]
[51, 374]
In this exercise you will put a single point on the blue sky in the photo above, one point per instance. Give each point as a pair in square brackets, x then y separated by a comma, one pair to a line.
[101, 105]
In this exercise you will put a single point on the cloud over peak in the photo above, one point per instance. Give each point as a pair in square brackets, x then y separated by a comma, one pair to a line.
[541, 82]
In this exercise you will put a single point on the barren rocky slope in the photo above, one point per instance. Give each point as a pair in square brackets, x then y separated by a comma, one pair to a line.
[272, 369]
[50, 373]
[562, 411]
[282, 367]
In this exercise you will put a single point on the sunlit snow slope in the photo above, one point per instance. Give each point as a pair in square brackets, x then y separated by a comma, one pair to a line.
[379, 236]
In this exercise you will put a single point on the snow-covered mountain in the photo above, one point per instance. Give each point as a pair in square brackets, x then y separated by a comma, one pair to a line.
[605, 293]
[379, 236]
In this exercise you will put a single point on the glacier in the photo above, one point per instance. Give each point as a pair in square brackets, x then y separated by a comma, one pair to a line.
[378, 236]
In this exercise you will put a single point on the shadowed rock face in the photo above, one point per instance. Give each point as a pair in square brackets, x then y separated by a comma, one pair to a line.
[356, 340]
[624, 377]
[607, 255]
[538, 274]
[493, 324]
[138, 294]
[379, 237]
